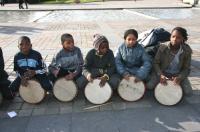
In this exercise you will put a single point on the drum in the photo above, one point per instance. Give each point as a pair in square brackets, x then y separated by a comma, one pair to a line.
[65, 90]
[33, 93]
[168, 95]
[96, 94]
[131, 91]
[1, 98]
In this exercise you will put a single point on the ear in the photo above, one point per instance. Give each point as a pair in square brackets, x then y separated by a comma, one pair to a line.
[31, 46]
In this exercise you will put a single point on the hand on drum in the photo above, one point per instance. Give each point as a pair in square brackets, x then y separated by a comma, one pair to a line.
[176, 80]
[55, 73]
[126, 77]
[70, 76]
[137, 80]
[29, 74]
[103, 81]
[24, 81]
[89, 77]
[163, 80]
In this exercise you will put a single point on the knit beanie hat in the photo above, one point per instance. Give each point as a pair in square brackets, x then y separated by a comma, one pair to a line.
[98, 40]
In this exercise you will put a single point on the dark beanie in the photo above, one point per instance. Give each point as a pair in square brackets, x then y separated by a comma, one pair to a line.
[98, 40]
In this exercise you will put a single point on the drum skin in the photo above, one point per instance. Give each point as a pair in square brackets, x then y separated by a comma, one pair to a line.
[131, 91]
[33, 93]
[168, 95]
[96, 94]
[65, 90]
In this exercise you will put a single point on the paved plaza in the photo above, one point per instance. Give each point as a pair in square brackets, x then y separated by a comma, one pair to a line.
[47, 23]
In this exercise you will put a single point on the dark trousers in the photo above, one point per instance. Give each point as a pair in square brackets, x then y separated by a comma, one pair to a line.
[113, 81]
[26, 3]
[2, 2]
[5, 90]
[41, 78]
[21, 4]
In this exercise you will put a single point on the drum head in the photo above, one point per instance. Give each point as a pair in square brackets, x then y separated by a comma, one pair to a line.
[96, 94]
[168, 95]
[1, 98]
[33, 93]
[131, 91]
[65, 90]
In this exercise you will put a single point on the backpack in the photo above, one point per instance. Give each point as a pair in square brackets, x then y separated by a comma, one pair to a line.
[151, 39]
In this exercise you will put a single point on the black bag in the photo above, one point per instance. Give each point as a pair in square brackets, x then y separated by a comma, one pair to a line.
[151, 39]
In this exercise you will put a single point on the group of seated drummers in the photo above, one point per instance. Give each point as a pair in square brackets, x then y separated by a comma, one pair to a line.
[129, 72]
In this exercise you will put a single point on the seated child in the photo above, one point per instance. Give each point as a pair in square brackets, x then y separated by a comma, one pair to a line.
[4, 82]
[131, 58]
[173, 61]
[67, 62]
[28, 64]
[100, 63]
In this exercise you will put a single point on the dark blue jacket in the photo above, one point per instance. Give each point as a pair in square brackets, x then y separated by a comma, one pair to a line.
[32, 61]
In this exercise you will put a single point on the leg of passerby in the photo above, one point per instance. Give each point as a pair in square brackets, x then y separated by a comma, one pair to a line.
[26, 3]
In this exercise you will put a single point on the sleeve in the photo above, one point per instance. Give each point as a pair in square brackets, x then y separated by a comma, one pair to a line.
[88, 66]
[41, 68]
[80, 63]
[17, 69]
[157, 61]
[186, 67]
[119, 64]
[144, 70]
[111, 65]
[54, 65]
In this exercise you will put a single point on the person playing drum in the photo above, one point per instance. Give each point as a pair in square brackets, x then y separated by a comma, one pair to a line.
[100, 63]
[173, 61]
[29, 64]
[131, 58]
[68, 61]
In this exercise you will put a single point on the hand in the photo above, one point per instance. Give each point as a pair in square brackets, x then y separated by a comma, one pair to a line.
[127, 76]
[103, 81]
[163, 80]
[89, 77]
[24, 81]
[29, 74]
[70, 76]
[176, 80]
[55, 73]
[137, 80]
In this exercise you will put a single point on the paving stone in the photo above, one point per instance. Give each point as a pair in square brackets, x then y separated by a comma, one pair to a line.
[40, 111]
[52, 111]
[26, 112]
[14, 106]
[64, 110]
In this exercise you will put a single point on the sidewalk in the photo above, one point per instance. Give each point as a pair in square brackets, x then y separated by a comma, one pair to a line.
[105, 5]
[51, 115]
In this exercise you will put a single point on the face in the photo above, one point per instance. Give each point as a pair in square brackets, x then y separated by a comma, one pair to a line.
[68, 44]
[103, 48]
[131, 40]
[24, 46]
[176, 38]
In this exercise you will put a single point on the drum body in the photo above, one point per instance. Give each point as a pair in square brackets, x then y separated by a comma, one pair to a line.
[1, 98]
[131, 91]
[33, 93]
[65, 90]
[96, 94]
[168, 95]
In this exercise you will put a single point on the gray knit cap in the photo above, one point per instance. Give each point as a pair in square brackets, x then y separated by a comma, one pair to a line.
[98, 40]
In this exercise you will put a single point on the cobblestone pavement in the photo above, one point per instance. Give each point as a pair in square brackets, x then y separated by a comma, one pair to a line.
[45, 37]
